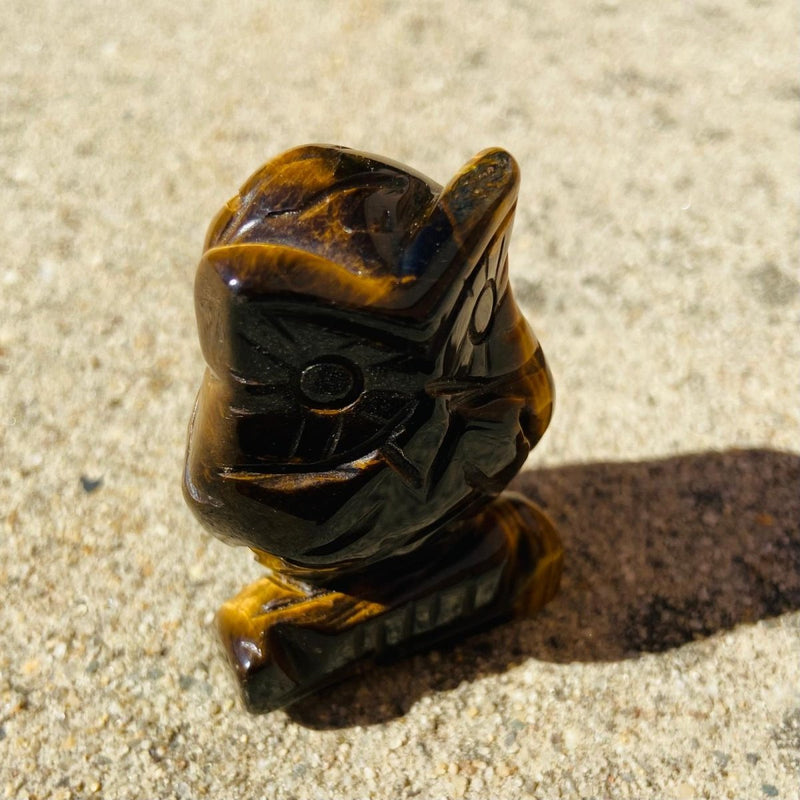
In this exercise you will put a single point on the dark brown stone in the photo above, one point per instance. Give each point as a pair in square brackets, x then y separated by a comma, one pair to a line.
[371, 388]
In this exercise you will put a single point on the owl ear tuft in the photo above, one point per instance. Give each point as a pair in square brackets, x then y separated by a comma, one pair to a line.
[465, 217]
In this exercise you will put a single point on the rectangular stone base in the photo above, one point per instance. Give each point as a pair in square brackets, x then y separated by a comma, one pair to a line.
[286, 639]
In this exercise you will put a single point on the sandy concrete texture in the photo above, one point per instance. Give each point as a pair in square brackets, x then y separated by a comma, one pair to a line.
[655, 253]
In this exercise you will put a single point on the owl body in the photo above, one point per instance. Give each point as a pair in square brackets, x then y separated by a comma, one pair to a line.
[370, 379]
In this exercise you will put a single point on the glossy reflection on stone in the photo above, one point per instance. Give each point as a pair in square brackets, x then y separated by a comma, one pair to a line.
[371, 387]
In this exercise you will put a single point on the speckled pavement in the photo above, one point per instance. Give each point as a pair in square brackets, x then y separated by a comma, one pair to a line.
[656, 255]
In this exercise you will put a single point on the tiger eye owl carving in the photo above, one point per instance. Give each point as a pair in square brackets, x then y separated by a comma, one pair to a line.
[371, 388]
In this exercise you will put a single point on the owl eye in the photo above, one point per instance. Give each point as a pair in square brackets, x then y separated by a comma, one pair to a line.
[482, 315]
[330, 383]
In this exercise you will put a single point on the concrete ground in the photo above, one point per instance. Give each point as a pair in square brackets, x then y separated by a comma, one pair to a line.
[655, 253]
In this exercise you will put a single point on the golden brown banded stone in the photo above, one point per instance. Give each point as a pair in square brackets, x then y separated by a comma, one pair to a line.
[371, 387]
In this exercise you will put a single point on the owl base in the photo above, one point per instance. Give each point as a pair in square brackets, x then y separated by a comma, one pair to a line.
[286, 639]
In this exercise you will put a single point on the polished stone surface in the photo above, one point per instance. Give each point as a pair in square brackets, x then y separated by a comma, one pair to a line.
[370, 389]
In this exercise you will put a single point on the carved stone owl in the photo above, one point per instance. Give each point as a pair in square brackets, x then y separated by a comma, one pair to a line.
[369, 377]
